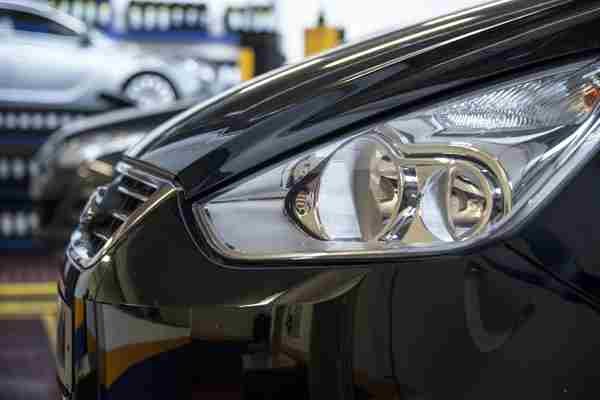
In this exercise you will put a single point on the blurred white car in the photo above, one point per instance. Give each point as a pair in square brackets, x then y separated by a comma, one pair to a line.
[49, 57]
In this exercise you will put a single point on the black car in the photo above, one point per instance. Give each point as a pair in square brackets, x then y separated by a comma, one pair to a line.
[407, 217]
[81, 156]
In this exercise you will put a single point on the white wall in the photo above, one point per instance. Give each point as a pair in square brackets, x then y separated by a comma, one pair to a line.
[359, 18]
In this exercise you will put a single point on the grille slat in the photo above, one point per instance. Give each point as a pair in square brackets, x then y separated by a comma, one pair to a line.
[101, 235]
[120, 216]
[127, 195]
[132, 193]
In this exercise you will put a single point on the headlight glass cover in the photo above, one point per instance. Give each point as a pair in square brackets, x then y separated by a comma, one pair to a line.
[449, 176]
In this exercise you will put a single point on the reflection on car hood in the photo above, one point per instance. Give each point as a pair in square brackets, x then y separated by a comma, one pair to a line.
[267, 119]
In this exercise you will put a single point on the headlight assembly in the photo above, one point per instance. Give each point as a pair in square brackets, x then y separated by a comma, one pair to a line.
[449, 176]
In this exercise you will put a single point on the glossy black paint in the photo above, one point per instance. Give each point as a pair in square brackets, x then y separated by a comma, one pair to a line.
[514, 319]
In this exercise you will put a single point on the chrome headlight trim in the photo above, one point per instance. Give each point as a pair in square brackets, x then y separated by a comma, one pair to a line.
[583, 143]
[522, 214]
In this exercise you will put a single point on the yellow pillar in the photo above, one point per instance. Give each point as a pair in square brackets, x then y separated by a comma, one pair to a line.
[246, 62]
[320, 38]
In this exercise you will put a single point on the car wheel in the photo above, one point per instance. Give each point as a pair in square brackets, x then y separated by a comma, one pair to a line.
[149, 89]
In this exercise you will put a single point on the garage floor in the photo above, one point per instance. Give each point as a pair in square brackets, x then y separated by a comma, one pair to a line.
[27, 325]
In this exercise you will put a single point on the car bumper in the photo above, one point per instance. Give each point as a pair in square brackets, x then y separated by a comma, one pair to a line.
[218, 336]
[138, 353]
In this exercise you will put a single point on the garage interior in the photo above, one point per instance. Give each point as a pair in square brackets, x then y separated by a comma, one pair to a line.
[224, 41]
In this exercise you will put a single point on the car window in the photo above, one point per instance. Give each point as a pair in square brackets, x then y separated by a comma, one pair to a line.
[26, 22]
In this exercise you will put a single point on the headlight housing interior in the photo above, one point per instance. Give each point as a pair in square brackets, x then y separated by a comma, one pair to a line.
[445, 177]
[91, 147]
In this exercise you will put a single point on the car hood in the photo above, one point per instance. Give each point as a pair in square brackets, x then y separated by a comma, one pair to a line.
[280, 113]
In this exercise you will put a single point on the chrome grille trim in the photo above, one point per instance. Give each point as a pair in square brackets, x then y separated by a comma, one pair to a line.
[141, 176]
[132, 193]
[101, 235]
[120, 216]
[81, 250]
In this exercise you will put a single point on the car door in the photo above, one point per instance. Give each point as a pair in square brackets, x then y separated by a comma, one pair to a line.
[45, 60]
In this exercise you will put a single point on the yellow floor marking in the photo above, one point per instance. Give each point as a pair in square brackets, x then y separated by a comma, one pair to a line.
[19, 308]
[27, 289]
[49, 322]
[45, 310]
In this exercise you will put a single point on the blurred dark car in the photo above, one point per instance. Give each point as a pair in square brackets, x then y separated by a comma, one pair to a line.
[81, 156]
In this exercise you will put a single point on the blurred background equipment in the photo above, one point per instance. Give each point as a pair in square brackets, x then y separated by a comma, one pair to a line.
[321, 37]
[255, 27]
